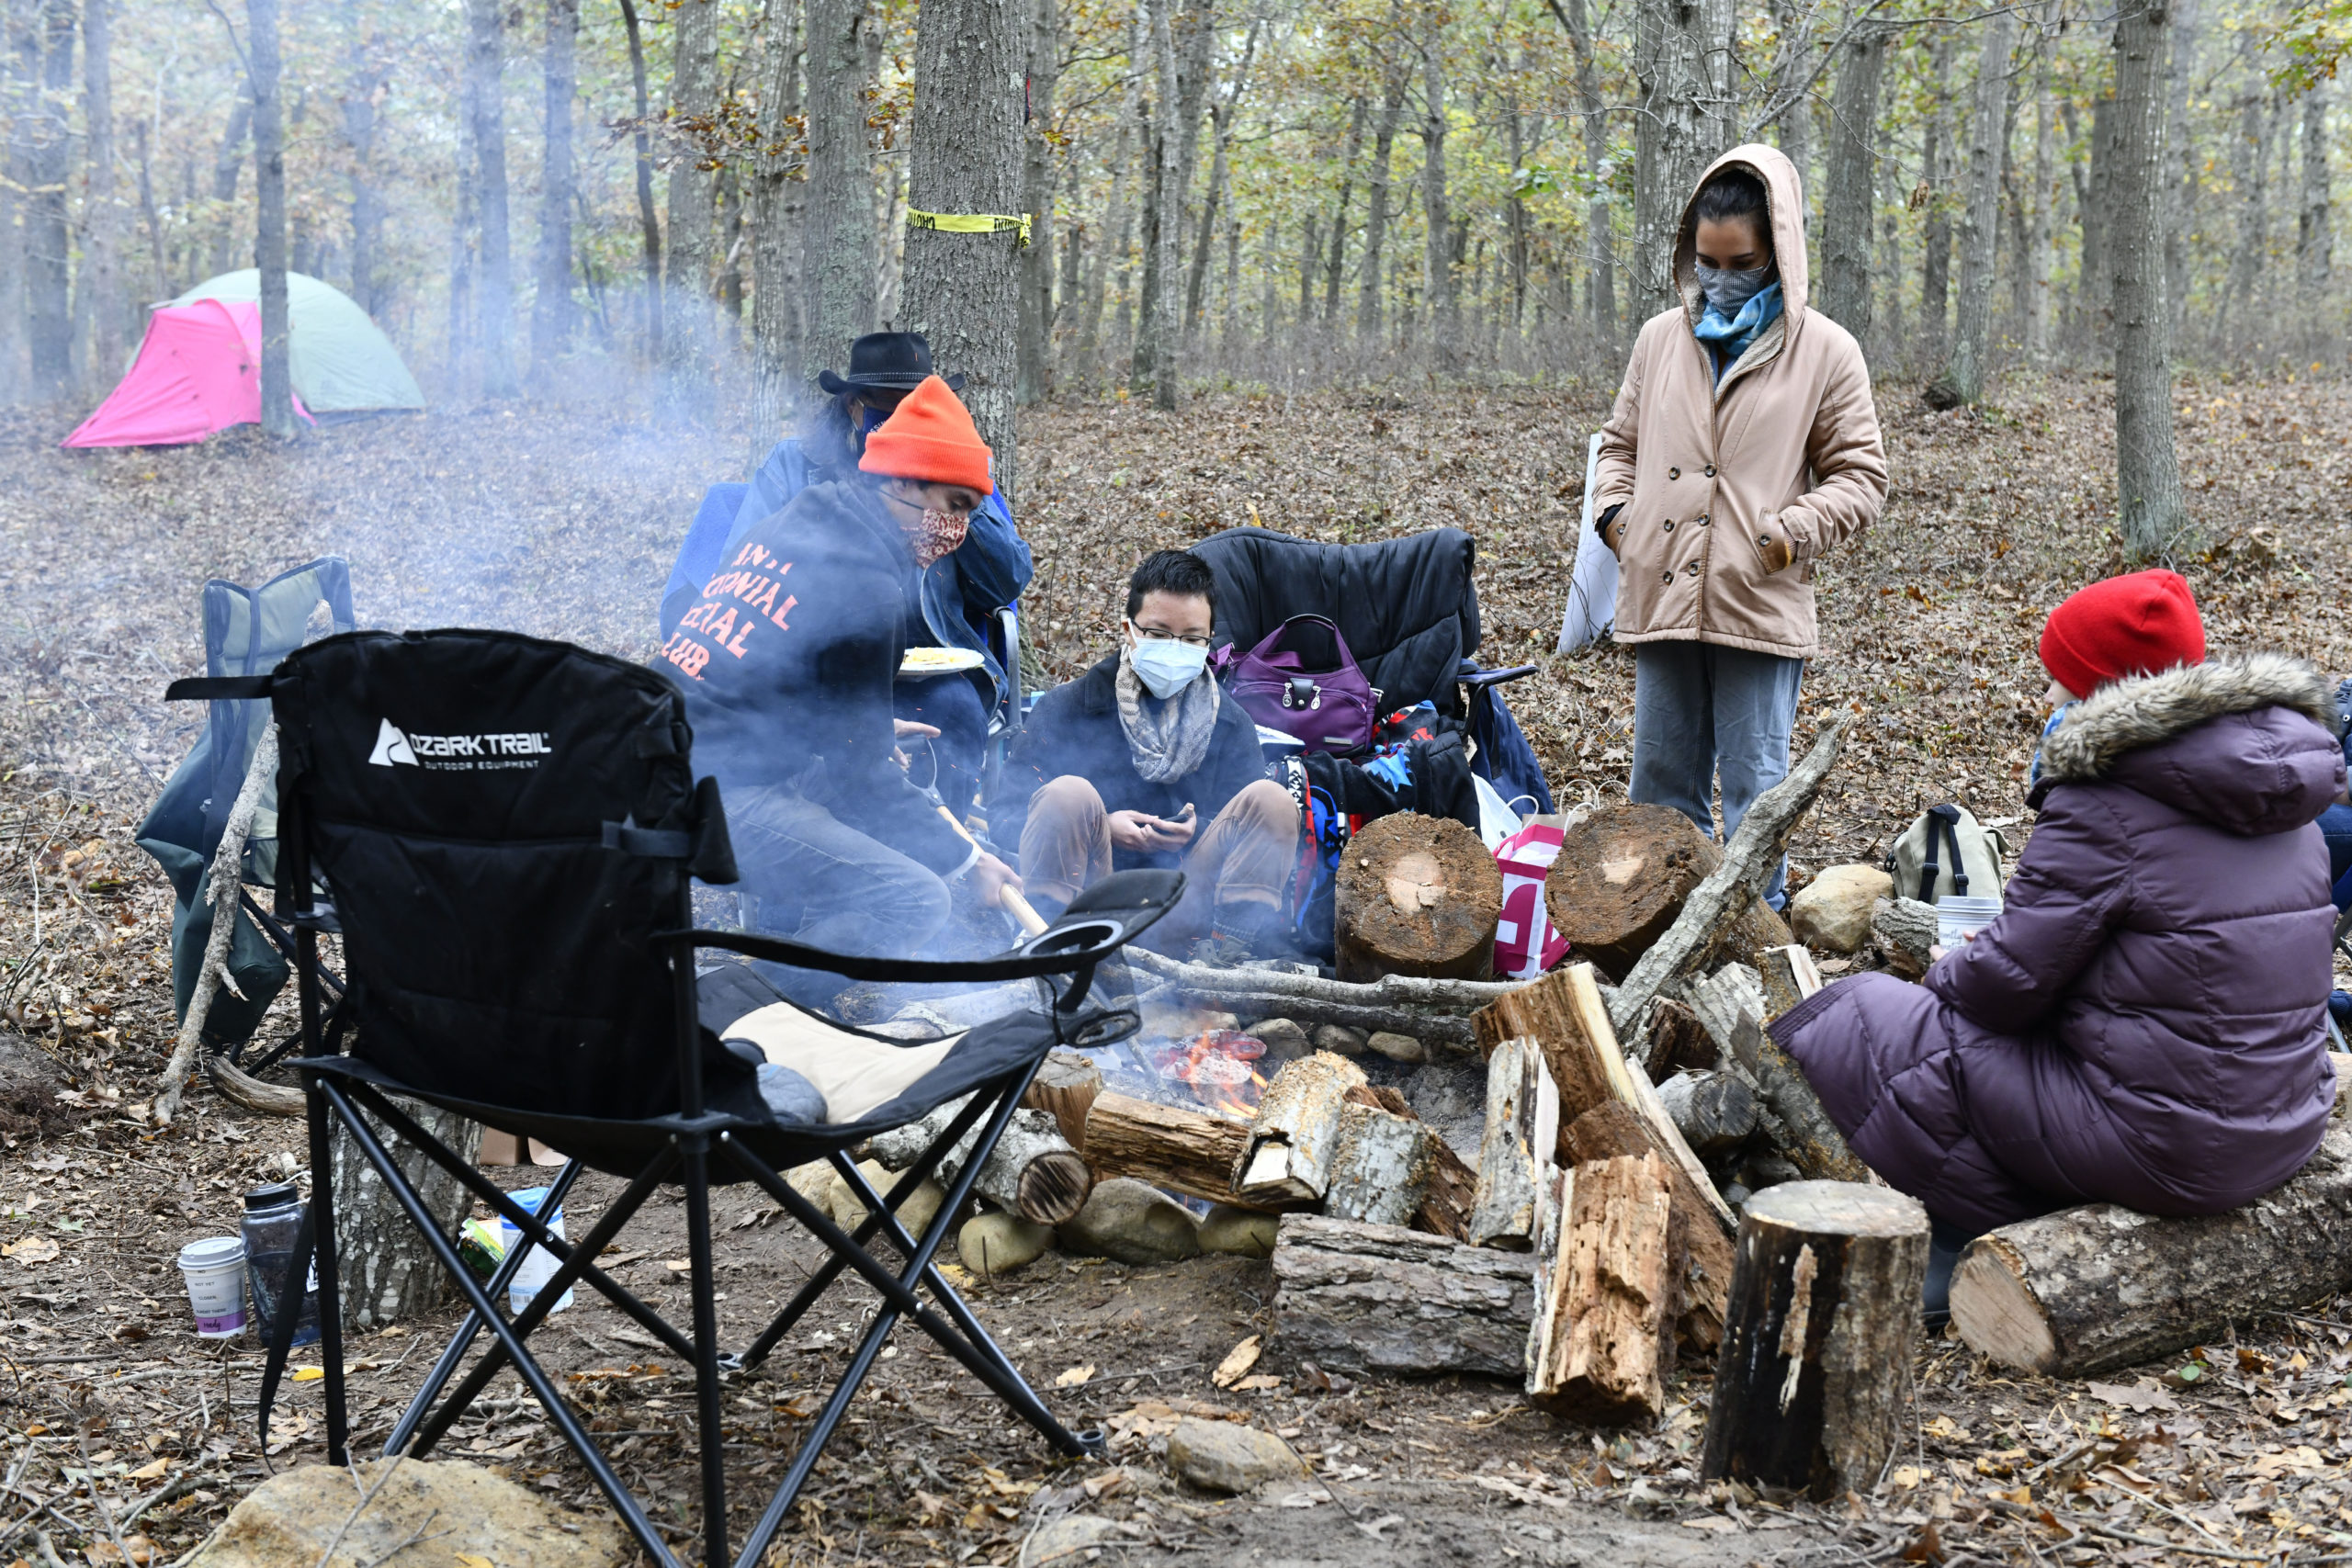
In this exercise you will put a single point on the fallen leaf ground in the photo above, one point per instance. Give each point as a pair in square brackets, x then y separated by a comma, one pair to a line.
[113, 1419]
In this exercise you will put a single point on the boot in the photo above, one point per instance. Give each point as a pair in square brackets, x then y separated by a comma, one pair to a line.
[1945, 1243]
[1236, 933]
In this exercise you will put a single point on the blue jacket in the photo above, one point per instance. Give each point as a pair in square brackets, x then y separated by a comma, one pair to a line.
[957, 593]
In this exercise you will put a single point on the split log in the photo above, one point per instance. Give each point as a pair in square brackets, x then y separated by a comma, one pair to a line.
[1380, 1166]
[1065, 1089]
[1904, 929]
[1714, 1111]
[1191, 1152]
[1732, 886]
[1515, 1155]
[1790, 976]
[1701, 1247]
[1359, 1299]
[1603, 1289]
[1436, 1013]
[1729, 1003]
[1679, 1042]
[1379, 1097]
[1623, 876]
[1446, 1202]
[1287, 1159]
[1824, 1312]
[1416, 896]
[1033, 1171]
[2091, 1289]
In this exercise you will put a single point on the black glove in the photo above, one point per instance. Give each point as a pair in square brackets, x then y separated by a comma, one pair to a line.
[1600, 526]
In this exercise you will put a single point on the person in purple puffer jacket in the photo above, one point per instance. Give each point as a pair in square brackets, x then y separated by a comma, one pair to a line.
[2143, 1023]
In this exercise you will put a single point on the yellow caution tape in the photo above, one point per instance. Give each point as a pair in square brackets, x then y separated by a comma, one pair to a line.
[971, 223]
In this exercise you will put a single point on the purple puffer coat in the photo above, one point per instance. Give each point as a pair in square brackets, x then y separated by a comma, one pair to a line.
[2145, 1022]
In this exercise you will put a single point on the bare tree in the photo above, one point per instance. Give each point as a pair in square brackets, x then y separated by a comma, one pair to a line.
[962, 286]
[1437, 224]
[1600, 221]
[1797, 67]
[269, 244]
[1682, 62]
[1155, 355]
[364, 77]
[2147, 469]
[47, 45]
[649, 221]
[485, 66]
[2038, 260]
[2249, 175]
[101, 280]
[551, 304]
[1384, 141]
[1962, 381]
[228, 167]
[838, 243]
[2314, 232]
[775, 226]
[2180, 201]
[1037, 339]
[1935, 178]
[1358, 107]
[1223, 117]
[689, 335]
[1850, 204]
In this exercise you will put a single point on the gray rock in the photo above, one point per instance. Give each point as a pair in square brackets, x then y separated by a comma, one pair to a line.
[1340, 1040]
[1222, 1455]
[1131, 1222]
[999, 1243]
[288, 1520]
[915, 1211]
[1068, 1541]
[1833, 910]
[1285, 1040]
[1397, 1048]
[1239, 1231]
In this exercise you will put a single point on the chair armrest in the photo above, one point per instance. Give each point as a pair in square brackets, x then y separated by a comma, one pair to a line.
[1476, 677]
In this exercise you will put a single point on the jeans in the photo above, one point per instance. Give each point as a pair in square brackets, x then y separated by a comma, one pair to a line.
[2335, 827]
[1700, 710]
[814, 880]
[953, 705]
[1243, 858]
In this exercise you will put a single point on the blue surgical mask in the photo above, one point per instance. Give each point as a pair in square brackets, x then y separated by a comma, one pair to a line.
[1166, 666]
[1726, 291]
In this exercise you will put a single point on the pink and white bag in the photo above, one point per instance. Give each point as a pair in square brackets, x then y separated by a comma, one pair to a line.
[1526, 943]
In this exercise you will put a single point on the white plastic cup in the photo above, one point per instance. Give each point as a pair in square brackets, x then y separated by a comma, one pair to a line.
[214, 1269]
[538, 1265]
[1958, 917]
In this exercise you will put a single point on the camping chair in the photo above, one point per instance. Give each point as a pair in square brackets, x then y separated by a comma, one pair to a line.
[504, 831]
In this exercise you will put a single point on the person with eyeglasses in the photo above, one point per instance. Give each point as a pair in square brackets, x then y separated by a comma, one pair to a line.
[789, 661]
[1143, 762]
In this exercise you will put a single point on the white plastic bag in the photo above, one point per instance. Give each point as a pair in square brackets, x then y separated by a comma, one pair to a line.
[1592, 590]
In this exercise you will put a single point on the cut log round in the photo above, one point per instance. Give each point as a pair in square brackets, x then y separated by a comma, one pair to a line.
[1825, 1311]
[1416, 896]
[1065, 1089]
[1622, 875]
[1031, 1172]
[1516, 1154]
[1714, 1111]
[1359, 1297]
[1604, 1306]
[2091, 1289]
[1905, 929]
[1166, 1145]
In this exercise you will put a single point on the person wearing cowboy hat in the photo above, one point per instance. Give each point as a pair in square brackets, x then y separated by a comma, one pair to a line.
[950, 604]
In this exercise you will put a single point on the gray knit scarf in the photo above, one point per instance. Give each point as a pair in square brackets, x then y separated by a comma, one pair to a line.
[1166, 739]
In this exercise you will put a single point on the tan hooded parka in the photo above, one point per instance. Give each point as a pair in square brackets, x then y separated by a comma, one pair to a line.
[1785, 448]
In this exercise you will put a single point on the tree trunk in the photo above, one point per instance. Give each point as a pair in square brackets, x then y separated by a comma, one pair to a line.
[387, 1271]
[689, 330]
[1139, 305]
[1437, 222]
[1599, 223]
[775, 230]
[963, 290]
[1850, 204]
[157, 251]
[1935, 174]
[1381, 1299]
[485, 67]
[1682, 62]
[1825, 1312]
[2095, 201]
[1962, 381]
[1417, 896]
[2087, 1290]
[551, 306]
[1359, 110]
[48, 50]
[1224, 117]
[2147, 469]
[364, 78]
[2314, 232]
[2040, 262]
[1369, 295]
[641, 138]
[269, 247]
[2180, 195]
[1156, 337]
[1603, 1330]
[464, 219]
[101, 277]
[1036, 337]
[1792, 86]
[228, 165]
[838, 248]
[2249, 167]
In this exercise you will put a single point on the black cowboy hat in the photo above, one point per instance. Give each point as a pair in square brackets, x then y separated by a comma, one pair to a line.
[885, 362]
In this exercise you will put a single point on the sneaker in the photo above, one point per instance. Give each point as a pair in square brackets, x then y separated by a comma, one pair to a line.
[1218, 950]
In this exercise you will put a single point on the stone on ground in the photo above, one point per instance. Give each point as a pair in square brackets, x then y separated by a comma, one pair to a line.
[1834, 909]
[1397, 1048]
[915, 1211]
[999, 1243]
[1222, 1455]
[1239, 1231]
[1069, 1539]
[1340, 1040]
[1131, 1222]
[287, 1522]
[1285, 1040]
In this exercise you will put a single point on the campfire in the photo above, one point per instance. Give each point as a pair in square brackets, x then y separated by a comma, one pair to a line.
[1216, 1066]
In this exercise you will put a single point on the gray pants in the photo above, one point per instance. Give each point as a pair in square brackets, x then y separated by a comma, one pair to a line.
[1700, 710]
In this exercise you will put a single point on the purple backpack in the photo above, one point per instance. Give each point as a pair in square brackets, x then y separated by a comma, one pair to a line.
[1302, 681]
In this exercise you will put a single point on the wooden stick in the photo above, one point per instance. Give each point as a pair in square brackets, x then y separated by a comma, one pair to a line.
[1007, 897]
[1435, 1012]
[226, 872]
[1729, 1003]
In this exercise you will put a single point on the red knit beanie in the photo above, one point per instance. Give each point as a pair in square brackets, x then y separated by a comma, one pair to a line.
[2135, 625]
[930, 438]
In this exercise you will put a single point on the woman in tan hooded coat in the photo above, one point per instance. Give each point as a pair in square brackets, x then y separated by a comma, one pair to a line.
[1744, 444]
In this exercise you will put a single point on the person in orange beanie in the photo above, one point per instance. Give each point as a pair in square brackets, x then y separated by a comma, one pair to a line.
[789, 661]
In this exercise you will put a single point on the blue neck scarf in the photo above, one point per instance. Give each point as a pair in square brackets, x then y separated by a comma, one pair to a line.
[2033, 773]
[1731, 336]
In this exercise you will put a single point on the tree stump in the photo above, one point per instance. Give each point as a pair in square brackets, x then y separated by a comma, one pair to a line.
[1604, 1293]
[385, 1269]
[1417, 896]
[1065, 1088]
[1825, 1314]
[1622, 876]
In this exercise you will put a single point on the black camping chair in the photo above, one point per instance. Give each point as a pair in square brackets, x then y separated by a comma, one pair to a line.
[504, 830]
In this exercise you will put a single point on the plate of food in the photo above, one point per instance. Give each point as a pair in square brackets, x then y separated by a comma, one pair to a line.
[923, 662]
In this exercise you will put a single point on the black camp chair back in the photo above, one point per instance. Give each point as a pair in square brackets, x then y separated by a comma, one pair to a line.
[504, 831]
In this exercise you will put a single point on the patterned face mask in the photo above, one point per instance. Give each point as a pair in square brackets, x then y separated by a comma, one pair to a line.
[937, 534]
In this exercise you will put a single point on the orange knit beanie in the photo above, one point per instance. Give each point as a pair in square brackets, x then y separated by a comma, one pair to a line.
[930, 438]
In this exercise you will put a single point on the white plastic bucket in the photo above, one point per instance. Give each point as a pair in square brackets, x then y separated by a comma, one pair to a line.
[214, 1269]
[538, 1265]
[1957, 918]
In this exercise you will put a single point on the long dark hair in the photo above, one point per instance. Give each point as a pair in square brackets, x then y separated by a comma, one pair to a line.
[1733, 193]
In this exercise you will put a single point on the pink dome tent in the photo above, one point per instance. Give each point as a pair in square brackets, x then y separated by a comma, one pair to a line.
[198, 371]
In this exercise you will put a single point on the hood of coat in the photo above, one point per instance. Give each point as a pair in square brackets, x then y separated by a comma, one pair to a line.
[1784, 196]
[2247, 742]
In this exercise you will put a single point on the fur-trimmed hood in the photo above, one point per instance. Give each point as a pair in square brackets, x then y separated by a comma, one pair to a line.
[2274, 765]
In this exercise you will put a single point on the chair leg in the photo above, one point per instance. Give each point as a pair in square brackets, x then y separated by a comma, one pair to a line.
[695, 1149]
[329, 1273]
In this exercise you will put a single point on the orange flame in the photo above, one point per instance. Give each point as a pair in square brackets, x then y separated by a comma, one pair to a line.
[1216, 1067]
